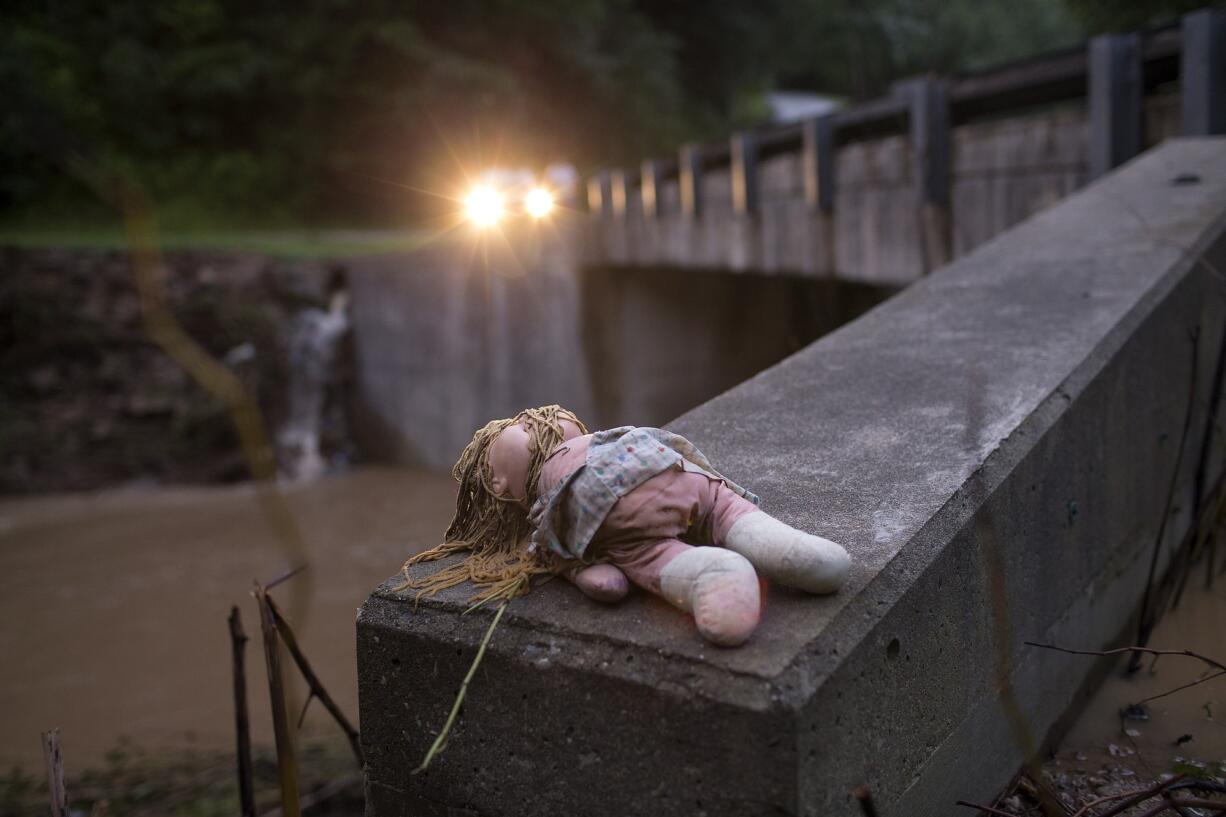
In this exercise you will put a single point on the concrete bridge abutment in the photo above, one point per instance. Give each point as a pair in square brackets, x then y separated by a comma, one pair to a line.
[993, 445]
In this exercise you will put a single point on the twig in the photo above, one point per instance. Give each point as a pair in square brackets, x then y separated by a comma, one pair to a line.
[985, 809]
[1202, 465]
[242, 728]
[1176, 805]
[1130, 799]
[1200, 785]
[317, 687]
[1197, 802]
[865, 798]
[1119, 650]
[1217, 674]
[441, 740]
[287, 766]
[55, 773]
[284, 577]
[1145, 624]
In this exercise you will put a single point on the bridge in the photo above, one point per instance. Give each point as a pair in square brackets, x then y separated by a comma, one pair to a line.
[991, 443]
[888, 190]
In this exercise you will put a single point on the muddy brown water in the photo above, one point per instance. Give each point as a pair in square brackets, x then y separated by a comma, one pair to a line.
[114, 605]
[1186, 725]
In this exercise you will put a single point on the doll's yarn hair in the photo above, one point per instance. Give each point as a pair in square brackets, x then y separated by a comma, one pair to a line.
[494, 532]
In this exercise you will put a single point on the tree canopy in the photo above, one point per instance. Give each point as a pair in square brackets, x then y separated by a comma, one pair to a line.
[347, 109]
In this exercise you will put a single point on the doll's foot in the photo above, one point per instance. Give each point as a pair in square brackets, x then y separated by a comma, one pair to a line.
[720, 588]
[603, 582]
[788, 556]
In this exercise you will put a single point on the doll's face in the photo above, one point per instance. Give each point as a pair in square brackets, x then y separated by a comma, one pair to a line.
[510, 458]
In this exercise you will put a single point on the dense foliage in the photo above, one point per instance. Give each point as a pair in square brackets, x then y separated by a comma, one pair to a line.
[343, 109]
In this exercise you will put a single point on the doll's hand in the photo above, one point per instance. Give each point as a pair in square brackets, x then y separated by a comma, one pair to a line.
[602, 582]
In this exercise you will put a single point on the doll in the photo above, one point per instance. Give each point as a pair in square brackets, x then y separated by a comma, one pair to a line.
[541, 496]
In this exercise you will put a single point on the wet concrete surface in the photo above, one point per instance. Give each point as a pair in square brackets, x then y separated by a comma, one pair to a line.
[114, 605]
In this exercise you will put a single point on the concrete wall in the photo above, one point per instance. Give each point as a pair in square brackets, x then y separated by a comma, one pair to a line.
[454, 335]
[993, 445]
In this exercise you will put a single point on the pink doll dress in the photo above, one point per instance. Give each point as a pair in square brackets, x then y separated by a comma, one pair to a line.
[646, 523]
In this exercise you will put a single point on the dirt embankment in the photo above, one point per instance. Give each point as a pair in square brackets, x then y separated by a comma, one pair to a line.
[88, 400]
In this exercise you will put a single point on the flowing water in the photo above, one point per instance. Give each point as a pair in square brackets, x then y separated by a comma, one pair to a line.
[114, 605]
[314, 336]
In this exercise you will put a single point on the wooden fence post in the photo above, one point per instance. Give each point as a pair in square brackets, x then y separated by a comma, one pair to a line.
[690, 178]
[1115, 101]
[1202, 72]
[930, 151]
[650, 187]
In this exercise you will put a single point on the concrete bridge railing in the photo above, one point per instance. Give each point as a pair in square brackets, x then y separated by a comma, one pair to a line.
[889, 190]
[993, 445]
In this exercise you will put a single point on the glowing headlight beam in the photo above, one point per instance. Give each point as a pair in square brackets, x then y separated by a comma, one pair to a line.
[483, 206]
[539, 202]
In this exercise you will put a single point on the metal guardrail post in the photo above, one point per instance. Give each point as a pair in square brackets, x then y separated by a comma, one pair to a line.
[690, 178]
[930, 151]
[818, 149]
[599, 198]
[619, 191]
[1115, 101]
[744, 151]
[651, 187]
[1202, 72]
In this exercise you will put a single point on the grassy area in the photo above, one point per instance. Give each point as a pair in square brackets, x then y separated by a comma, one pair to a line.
[288, 243]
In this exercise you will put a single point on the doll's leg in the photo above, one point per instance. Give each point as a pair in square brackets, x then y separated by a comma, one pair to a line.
[781, 553]
[718, 586]
[601, 582]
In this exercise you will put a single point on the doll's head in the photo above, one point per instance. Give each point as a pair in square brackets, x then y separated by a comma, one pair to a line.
[498, 473]
[515, 454]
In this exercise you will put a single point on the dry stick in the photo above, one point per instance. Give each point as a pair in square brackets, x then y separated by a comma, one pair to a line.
[242, 729]
[1175, 804]
[287, 767]
[1206, 448]
[1181, 687]
[1145, 625]
[865, 798]
[441, 740]
[284, 577]
[985, 809]
[1119, 650]
[317, 687]
[55, 773]
[994, 570]
[1129, 799]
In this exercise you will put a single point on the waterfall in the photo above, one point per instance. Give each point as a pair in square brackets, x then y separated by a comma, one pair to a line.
[314, 337]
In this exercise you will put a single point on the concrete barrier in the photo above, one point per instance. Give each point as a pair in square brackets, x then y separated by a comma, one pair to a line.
[993, 445]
